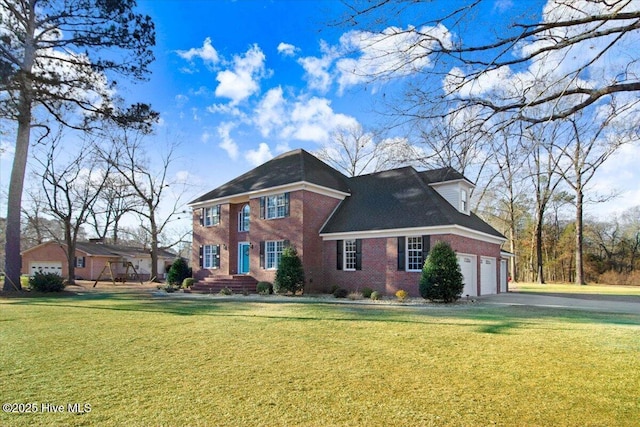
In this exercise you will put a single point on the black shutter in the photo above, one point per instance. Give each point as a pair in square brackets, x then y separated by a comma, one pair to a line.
[261, 254]
[358, 254]
[216, 261]
[201, 256]
[339, 247]
[286, 204]
[426, 247]
[401, 249]
[262, 208]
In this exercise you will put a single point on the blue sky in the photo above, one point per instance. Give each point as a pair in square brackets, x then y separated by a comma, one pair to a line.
[238, 82]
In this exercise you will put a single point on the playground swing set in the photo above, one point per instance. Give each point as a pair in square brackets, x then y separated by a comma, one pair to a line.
[118, 278]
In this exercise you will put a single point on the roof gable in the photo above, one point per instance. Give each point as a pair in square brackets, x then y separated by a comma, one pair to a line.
[288, 168]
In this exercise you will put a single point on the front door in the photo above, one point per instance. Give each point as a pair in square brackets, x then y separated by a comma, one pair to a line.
[243, 258]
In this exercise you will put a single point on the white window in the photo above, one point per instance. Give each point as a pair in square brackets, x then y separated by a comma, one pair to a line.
[80, 263]
[211, 216]
[276, 206]
[211, 256]
[414, 253]
[243, 218]
[464, 202]
[273, 252]
[349, 255]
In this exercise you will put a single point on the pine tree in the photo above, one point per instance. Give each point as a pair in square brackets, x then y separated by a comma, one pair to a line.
[441, 277]
[290, 274]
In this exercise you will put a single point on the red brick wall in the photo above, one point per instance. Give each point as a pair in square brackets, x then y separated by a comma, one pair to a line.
[213, 235]
[53, 252]
[380, 266]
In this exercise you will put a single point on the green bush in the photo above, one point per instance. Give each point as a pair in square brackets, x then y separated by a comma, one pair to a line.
[188, 282]
[341, 293]
[178, 271]
[334, 288]
[366, 292]
[226, 291]
[441, 277]
[46, 282]
[290, 274]
[375, 295]
[264, 288]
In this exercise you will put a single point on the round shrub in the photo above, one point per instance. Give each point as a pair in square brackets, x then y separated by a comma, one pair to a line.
[264, 288]
[441, 277]
[334, 288]
[402, 295]
[46, 282]
[341, 293]
[366, 292]
[188, 282]
[178, 271]
[375, 295]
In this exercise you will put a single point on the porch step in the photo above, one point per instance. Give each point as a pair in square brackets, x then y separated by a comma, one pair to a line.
[238, 284]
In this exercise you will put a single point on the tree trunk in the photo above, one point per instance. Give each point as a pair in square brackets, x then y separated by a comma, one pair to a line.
[579, 238]
[13, 259]
[539, 254]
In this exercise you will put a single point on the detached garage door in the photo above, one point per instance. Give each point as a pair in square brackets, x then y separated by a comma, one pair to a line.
[469, 269]
[45, 267]
[488, 280]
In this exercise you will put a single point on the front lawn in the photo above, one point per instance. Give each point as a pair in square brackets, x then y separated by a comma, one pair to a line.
[138, 360]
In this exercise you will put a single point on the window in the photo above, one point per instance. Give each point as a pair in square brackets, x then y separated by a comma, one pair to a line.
[80, 262]
[276, 206]
[243, 218]
[414, 254]
[211, 256]
[349, 254]
[463, 200]
[211, 216]
[273, 252]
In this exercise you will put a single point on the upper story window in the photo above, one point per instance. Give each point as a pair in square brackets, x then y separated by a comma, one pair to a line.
[243, 218]
[276, 206]
[211, 216]
[464, 201]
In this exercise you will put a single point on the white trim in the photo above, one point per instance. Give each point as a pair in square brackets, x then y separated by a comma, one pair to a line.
[300, 185]
[395, 232]
[459, 180]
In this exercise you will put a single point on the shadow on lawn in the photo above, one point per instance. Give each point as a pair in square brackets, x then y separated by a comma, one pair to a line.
[483, 319]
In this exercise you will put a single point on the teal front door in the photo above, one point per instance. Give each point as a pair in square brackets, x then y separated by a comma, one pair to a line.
[243, 258]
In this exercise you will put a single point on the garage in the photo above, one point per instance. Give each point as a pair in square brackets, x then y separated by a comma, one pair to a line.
[45, 267]
[468, 268]
[488, 276]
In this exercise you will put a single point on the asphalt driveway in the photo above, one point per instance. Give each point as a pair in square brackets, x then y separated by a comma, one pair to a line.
[602, 303]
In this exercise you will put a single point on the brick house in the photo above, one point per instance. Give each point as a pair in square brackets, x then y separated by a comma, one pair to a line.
[367, 231]
[91, 258]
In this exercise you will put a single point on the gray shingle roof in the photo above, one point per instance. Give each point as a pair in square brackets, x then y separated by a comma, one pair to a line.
[105, 249]
[288, 168]
[398, 198]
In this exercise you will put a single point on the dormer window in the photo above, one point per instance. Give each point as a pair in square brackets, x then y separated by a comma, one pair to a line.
[464, 201]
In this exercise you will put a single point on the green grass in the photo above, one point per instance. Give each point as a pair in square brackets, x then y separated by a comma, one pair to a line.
[576, 289]
[143, 361]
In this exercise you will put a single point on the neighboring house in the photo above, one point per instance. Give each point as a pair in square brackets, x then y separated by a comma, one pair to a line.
[91, 259]
[367, 231]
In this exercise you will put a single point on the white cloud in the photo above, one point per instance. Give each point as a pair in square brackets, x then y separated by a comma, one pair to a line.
[270, 112]
[205, 137]
[259, 156]
[287, 49]
[181, 100]
[7, 150]
[240, 82]
[207, 53]
[226, 142]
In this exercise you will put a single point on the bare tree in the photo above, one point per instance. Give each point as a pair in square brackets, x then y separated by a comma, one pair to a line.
[151, 184]
[115, 201]
[356, 151]
[54, 60]
[71, 187]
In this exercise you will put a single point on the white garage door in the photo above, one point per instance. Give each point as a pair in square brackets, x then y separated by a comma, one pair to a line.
[488, 282]
[468, 269]
[46, 267]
